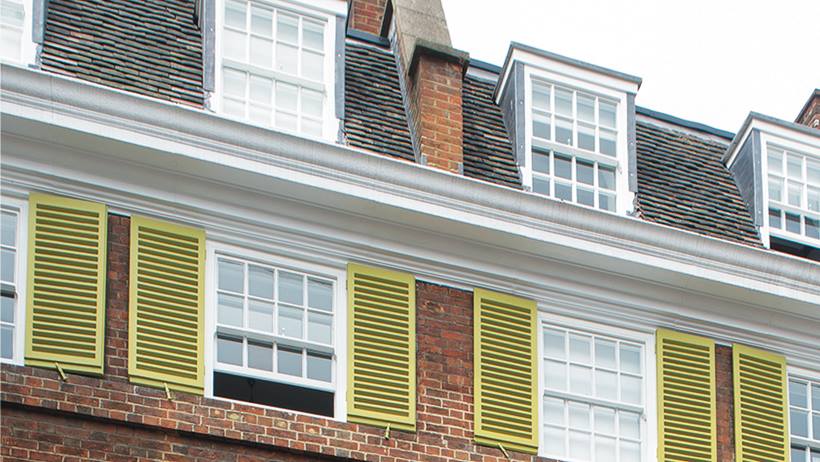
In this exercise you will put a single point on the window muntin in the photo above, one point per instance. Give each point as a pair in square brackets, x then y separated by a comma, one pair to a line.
[275, 66]
[579, 119]
[274, 322]
[574, 145]
[804, 419]
[275, 325]
[12, 19]
[593, 396]
[11, 274]
[793, 185]
[15, 31]
[567, 177]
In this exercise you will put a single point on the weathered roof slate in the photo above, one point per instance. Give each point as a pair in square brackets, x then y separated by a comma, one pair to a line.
[488, 153]
[375, 118]
[151, 47]
[683, 183]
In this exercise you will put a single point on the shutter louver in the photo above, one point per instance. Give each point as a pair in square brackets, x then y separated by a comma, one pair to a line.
[761, 406]
[66, 280]
[166, 314]
[382, 354]
[506, 380]
[686, 398]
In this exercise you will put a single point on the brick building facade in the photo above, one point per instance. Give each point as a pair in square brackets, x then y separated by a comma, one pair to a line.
[474, 280]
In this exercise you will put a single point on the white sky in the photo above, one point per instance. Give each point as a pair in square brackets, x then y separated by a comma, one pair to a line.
[709, 61]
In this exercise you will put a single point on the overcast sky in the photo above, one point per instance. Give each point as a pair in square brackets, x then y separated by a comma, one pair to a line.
[710, 61]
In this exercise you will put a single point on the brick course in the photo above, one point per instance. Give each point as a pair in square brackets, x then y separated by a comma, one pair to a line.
[108, 418]
[725, 403]
[367, 15]
[436, 111]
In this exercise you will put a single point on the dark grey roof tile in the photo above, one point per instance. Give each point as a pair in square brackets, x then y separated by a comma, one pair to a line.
[683, 183]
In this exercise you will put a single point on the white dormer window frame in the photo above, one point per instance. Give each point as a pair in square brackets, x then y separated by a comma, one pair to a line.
[16, 22]
[577, 174]
[588, 163]
[803, 185]
[255, 84]
[791, 190]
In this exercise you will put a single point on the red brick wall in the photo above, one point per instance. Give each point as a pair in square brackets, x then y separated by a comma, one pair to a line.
[45, 418]
[811, 116]
[436, 111]
[367, 15]
[725, 404]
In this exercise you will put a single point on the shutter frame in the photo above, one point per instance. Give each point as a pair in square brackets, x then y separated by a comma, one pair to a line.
[677, 343]
[34, 356]
[489, 437]
[359, 412]
[139, 370]
[751, 357]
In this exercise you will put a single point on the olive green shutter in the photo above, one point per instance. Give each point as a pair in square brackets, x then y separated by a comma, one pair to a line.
[761, 406]
[66, 281]
[166, 312]
[687, 425]
[382, 339]
[506, 372]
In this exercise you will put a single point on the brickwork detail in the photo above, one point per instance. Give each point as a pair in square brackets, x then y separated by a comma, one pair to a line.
[725, 403]
[436, 111]
[45, 418]
[810, 116]
[367, 15]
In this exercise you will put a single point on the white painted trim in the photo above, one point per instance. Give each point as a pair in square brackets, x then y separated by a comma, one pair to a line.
[625, 198]
[21, 276]
[305, 198]
[781, 138]
[324, 11]
[645, 337]
[575, 72]
[335, 272]
[794, 137]
[28, 49]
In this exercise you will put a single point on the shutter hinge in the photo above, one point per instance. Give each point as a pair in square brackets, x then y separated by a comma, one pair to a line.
[168, 392]
[506, 454]
[387, 432]
[61, 371]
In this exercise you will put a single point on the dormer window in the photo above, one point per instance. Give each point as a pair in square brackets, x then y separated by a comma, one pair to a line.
[277, 66]
[561, 117]
[15, 38]
[794, 192]
[776, 164]
[570, 125]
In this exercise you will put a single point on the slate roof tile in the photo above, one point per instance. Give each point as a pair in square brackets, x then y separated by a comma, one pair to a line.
[683, 183]
[488, 153]
[151, 47]
[375, 117]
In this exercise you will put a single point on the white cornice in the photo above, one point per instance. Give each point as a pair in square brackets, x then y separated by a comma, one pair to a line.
[206, 150]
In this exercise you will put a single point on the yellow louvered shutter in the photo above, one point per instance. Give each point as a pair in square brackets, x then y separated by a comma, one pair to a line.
[506, 372]
[166, 311]
[761, 406]
[687, 426]
[66, 280]
[382, 353]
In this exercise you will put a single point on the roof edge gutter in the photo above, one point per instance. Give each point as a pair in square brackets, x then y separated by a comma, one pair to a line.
[140, 120]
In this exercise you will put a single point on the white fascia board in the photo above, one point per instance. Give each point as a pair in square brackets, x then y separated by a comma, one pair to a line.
[799, 137]
[194, 143]
[571, 71]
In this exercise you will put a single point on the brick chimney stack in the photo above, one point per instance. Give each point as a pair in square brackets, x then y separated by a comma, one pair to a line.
[810, 114]
[433, 73]
[367, 15]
